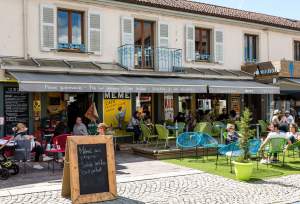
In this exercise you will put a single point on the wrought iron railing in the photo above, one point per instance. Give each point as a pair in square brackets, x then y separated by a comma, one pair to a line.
[70, 46]
[159, 58]
[206, 57]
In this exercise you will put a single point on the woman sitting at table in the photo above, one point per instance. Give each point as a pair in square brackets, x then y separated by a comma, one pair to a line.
[135, 124]
[293, 136]
[36, 147]
[231, 135]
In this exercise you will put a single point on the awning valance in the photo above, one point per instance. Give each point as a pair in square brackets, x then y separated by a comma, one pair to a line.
[51, 82]
[289, 85]
[241, 87]
[46, 82]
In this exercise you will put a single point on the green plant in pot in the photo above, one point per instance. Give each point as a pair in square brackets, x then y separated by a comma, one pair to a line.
[243, 166]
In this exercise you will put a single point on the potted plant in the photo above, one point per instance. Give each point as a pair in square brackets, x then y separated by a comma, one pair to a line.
[243, 167]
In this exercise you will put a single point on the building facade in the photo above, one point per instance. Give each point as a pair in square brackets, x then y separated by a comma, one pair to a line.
[198, 43]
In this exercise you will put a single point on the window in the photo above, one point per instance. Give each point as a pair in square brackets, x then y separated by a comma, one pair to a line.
[202, 44]
[70, 30]
[297, 50]
[251, 48]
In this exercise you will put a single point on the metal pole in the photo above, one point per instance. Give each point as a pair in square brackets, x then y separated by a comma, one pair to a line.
[257, 131]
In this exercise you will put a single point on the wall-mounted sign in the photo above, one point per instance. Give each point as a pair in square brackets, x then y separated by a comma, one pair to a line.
[169, 106]
[117, 109]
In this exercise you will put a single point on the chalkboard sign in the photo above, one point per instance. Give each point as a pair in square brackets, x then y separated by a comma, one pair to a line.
[92, 164]
[89, 171]
[15, 108]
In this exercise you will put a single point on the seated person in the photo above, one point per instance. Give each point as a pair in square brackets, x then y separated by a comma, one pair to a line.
[231, 135]
[275, 133]
[293, 136]
[21, 134]
[79, 128]
[102, 129]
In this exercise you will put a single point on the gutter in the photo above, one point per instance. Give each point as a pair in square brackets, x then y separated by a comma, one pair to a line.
[25, 29]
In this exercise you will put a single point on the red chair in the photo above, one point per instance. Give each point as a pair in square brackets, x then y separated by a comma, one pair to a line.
[8, 153]
[61, 140]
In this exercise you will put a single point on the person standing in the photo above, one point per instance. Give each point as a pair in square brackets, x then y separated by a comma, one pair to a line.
[120, 116]
[79, 127]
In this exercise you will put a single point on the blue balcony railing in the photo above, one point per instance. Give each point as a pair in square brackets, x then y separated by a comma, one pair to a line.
[161, 59]
[70, 46]
[202, 56]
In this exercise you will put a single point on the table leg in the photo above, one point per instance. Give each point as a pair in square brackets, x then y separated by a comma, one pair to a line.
[53, 163]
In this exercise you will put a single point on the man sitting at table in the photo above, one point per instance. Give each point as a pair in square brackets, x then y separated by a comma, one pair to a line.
[36, 147]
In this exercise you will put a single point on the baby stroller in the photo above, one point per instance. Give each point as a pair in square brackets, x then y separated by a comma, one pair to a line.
[7, 167]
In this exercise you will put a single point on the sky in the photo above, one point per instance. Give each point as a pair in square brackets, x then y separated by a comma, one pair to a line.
[283, 8]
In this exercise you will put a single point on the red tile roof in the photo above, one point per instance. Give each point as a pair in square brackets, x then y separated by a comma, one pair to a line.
[219, 11]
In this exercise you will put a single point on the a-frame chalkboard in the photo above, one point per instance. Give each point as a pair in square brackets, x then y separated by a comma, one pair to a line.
[89, 171]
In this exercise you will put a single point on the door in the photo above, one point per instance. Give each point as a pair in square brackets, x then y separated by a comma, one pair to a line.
[144, 44]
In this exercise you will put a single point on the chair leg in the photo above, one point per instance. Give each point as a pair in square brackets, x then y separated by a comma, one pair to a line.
[207, 153]
[283, 157]
[197, 152]
[217, 159]
[230, 160]
[203, 154]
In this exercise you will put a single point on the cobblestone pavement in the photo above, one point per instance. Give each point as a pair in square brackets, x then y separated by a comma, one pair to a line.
[177, 185]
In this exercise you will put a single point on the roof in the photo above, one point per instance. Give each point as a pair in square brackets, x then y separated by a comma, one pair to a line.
[219, 11]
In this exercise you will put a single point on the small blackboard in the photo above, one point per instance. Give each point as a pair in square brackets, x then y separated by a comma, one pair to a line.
[15, 108]
[89, 171]
[92, 164]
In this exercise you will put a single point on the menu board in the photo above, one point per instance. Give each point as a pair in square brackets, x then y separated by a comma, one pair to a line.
[89, 169]
[15, 108]
[92, 165]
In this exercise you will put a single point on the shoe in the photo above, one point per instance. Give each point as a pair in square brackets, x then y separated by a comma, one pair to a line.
[38, 166]
[46, 158]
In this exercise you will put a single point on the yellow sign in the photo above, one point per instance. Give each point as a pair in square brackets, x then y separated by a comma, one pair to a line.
[117, 109]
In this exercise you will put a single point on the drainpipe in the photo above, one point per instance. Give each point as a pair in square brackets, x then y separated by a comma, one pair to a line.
[25, 29]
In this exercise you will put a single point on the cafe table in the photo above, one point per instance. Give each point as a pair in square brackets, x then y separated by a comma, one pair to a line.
[55, 153]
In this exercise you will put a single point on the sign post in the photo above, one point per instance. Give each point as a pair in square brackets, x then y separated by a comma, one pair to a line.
[89, 171]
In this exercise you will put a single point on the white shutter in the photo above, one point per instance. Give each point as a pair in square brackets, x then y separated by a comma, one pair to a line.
[219, 46]
[127, 30]
[94, 32]
[48, 27]
[190, 43]
[163, 34]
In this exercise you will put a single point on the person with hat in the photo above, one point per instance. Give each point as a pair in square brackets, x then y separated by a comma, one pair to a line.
[275, 118]
[102, 129]
[230, 135]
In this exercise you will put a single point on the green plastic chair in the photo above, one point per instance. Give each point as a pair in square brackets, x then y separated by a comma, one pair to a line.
[276, 145]
[293, 147]
[204, 127]
[163, 134]
[146, 132]
[181, 126]
[217, 127]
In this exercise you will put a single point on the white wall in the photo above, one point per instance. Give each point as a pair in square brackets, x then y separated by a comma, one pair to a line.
[11, 40]
[11, 28]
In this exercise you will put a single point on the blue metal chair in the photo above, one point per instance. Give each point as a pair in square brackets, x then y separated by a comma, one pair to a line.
[226, 150]
[208, 142]
[188, 140]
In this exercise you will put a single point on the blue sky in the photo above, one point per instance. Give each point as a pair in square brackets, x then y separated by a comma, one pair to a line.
[284, 8]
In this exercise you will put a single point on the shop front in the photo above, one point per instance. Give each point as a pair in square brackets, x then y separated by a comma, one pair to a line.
[45, 98]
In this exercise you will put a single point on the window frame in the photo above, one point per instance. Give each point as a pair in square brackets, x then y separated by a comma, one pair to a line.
[209, 43]
[296, 42]
[69, 12]
[255, 46]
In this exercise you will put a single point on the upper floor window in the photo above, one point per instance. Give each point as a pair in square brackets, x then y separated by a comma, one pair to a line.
[251, 48]
[70, 30]
[202, 44]
[297, 50]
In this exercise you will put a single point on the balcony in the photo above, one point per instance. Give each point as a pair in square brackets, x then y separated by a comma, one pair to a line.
[157, 58]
